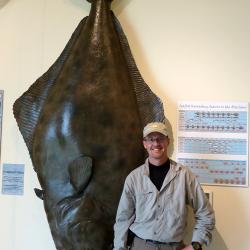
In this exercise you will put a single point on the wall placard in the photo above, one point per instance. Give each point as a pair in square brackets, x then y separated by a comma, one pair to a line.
[213, 141]
[12, 179]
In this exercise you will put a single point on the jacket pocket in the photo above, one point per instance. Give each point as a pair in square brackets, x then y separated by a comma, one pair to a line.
[175, 216]
[143, 203]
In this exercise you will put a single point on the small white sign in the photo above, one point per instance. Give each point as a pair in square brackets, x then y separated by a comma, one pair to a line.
[13, 179]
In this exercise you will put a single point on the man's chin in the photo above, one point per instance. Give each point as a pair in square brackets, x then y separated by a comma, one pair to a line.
[157, 156]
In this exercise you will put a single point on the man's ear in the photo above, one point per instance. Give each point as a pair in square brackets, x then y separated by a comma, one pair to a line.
[144, 144]
[168, 140]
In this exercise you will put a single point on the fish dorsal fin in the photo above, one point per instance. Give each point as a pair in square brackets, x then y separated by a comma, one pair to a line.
[28, 107]
[80, 171]
[150, 105]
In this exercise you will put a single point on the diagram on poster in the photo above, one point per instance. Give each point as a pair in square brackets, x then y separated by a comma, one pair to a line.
[12, 179]
[213, 141]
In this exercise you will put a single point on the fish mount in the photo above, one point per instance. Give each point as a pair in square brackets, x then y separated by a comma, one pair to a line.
[82, 123]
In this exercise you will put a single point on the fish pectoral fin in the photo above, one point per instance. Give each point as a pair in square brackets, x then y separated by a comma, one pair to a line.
[80, 171]
[39, 193]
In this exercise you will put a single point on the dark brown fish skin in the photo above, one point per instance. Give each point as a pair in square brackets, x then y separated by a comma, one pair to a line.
[85, 134]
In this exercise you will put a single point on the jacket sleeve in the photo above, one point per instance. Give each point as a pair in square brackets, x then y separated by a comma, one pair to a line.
[203, 211]
[124, 217]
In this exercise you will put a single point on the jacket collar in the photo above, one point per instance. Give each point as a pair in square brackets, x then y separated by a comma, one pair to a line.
[173, 170]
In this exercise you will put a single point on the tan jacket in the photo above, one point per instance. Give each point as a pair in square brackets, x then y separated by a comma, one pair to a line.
[162, 215]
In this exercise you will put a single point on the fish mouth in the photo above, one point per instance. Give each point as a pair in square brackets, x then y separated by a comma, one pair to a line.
[80, 223]
[90, 234]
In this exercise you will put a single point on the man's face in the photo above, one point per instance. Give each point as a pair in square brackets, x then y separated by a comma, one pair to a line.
[156, 145]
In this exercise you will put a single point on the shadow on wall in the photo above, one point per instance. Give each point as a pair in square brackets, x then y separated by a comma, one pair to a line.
[80, 4]
[3, 2]
[119, 5]
[171, 137]
[217, 243]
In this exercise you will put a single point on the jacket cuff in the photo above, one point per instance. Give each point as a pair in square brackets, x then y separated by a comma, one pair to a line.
[202, 238]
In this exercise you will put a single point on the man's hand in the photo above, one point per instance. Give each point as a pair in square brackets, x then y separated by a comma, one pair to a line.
[188, 247]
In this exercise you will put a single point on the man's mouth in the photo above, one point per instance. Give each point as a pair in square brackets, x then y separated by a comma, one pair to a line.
[156, 149]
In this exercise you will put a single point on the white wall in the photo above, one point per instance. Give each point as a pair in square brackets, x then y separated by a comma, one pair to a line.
[185, 49]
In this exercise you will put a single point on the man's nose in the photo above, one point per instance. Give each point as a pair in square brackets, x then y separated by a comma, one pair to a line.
[156, 141]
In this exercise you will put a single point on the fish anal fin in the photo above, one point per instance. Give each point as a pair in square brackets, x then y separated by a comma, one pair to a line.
[28, 107]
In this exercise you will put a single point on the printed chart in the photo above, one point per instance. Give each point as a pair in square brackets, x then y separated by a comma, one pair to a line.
[213, 141]
[212, 146]
[12, 179]
[226, 122]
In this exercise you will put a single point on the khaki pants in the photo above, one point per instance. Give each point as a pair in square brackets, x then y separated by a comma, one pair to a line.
[140, 244]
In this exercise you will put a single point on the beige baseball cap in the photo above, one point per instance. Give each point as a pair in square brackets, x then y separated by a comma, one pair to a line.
[155, 127]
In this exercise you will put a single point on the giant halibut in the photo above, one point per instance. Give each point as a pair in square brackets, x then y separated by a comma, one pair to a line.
[82, 123]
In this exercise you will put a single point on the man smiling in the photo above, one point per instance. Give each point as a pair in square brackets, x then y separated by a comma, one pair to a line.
[153, 205]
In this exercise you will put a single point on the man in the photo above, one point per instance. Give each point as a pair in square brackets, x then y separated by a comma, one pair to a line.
[153, 204]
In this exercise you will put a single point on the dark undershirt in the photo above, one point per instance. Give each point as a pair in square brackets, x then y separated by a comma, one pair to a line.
[157, 174]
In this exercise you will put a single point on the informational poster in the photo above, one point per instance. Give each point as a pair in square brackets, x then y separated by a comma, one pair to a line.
[12, 179]
[213, 141]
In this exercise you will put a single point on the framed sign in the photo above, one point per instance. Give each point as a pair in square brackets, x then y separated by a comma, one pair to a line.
[213, 141]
